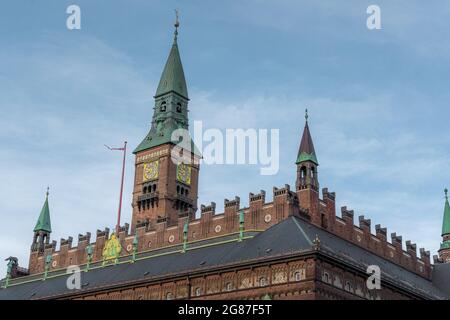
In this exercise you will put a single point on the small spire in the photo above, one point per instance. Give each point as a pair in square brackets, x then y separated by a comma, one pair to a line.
[43, 223]
[446, 222]
[306, 151]
[176, 25]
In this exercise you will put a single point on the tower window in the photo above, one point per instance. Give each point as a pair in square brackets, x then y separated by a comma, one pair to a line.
[313, 172]
[145, 190]
[179, 107]
[303, 172]
[162, 108]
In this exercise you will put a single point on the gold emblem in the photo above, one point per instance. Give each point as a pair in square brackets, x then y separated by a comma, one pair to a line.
[184, 173]
[111, 250]
[151, 170]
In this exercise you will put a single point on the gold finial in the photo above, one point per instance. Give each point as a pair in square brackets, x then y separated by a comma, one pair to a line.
[306, 114]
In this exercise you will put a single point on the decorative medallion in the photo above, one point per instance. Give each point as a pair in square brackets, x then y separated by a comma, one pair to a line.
[218, 228]
[171, 238]
[151, 171]
[267, 218]
[112, 248]
[358, 237]
[54, 263]
[129, 247]
[184, 173]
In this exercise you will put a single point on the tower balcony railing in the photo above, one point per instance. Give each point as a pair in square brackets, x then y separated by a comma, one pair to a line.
[148, 196]
[184, 199]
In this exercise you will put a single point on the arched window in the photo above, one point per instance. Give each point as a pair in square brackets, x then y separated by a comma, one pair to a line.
[326, 277]
[179, 107]
[303, 172]
[169, 296]
[178, 189]
[313, 172]
[154, 187]
[162, 107]
[198, 291]
[229, 286]
[297, 276]
[145, 190]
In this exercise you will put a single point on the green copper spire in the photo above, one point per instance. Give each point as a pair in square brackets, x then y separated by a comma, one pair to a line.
[446, 222]
[171, 105]
[172, 78]
[306, 151]
[43, 223]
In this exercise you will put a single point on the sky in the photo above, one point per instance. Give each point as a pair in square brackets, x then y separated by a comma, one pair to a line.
[378, 104]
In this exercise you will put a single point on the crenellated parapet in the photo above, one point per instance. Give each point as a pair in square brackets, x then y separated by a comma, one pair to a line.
[258, 216]
[377, 243]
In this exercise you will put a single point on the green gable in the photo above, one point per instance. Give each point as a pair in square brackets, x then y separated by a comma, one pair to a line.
[303, 156]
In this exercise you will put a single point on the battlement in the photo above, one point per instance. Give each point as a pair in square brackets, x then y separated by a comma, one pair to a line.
[377, 243]
[259, 215]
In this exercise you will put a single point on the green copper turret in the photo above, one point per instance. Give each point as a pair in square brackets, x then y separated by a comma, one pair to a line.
[306, 151]
[171, 103]
[446, 221]
[43, 223]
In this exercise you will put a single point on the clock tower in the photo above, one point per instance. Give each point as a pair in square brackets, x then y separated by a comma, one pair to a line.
[167, 161]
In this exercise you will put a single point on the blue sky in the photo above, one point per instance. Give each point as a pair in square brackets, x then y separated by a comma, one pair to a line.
[378, 101]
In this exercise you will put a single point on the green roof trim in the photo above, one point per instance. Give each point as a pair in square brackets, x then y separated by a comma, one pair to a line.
[43, 223]
[172, 78]
[153, 140]
[445, 245]
[303, 156]
[446, 221]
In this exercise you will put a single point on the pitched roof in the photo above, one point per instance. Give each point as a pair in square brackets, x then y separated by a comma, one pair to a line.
[43, 223]
[172, 78]
[306, 151]
[292, 236]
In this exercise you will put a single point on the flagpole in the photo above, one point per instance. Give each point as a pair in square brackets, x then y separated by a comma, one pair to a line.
[121, 188]
[124, 149]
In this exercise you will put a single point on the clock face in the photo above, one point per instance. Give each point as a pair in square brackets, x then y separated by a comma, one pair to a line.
[151, 170]
[184, 173]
